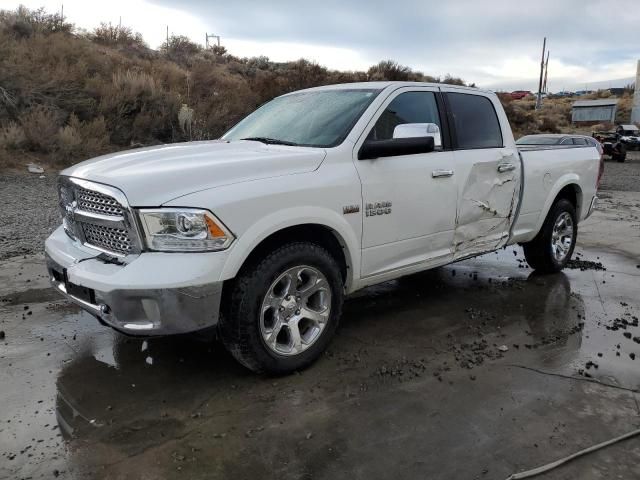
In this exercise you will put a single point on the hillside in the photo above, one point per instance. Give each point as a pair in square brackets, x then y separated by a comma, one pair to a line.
[66, 95]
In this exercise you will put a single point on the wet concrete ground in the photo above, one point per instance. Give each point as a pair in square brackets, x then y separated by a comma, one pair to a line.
[445, 374]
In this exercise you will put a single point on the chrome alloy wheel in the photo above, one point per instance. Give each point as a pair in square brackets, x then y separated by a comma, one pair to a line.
[562, 236]
[295, 310]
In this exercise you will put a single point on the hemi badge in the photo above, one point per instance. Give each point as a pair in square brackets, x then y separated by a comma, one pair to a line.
[350, 209]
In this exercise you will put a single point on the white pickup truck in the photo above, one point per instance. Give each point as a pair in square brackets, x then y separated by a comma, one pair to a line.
[313, 196]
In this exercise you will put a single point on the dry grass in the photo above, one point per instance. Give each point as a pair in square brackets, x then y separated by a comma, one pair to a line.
[66, 96]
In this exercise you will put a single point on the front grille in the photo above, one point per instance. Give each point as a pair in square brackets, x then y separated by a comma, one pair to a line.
[96, 202]
[113, 231]
[112, 239]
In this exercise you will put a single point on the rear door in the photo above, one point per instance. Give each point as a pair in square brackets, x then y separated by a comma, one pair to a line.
[488, 171]
[410, 200]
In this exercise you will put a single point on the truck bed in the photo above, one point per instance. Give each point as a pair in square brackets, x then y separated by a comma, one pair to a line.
[554, 166]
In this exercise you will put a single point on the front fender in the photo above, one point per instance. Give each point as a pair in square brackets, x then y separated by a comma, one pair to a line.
[290, 217]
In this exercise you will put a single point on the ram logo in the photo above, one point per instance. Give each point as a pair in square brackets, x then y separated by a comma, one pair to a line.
[378, 208]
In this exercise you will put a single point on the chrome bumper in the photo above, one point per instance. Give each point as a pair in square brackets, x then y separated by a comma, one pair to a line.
[165, 311]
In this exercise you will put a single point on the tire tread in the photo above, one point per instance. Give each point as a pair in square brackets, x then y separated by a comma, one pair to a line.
[235, 327]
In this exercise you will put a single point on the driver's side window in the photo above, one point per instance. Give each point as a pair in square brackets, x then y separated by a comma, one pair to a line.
[409, 107]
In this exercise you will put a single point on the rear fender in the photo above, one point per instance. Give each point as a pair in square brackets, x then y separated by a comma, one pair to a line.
[563, 181]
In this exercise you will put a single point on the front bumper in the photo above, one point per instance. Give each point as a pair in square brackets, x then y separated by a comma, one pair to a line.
[153, 294]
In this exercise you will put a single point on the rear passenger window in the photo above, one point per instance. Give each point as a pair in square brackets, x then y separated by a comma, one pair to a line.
[579, 141]
[409, 107]
[475, 121]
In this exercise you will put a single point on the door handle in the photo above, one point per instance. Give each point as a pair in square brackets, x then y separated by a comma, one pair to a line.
[442, 173]
[506, 167]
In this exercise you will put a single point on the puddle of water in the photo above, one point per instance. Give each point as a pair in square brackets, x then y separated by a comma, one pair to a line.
[96, 384]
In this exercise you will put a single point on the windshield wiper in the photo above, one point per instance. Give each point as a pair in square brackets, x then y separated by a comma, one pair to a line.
[271, 141]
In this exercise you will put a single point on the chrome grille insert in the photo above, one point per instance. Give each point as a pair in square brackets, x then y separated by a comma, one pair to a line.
[98, 216]
[107, 238]
[97, 202]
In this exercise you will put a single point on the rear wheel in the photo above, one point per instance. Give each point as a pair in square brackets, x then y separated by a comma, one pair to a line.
[551, 249]
[283, 311]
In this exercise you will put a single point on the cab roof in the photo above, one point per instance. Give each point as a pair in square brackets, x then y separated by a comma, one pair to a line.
[389, 84]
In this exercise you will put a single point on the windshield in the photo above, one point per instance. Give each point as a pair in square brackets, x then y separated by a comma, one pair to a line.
[537, 140]
[631, 133]
[320, 118]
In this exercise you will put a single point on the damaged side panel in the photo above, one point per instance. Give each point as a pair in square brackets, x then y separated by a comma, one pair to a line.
[486, 205]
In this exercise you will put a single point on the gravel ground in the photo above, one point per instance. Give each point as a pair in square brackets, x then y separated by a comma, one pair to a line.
[623, 177]
[31, 212]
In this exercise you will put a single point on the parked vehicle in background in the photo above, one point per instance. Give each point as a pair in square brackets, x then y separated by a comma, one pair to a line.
[559, 139]
[315, 195]
[520, 94]
[612, 143]
[629, 135]
[562, 94]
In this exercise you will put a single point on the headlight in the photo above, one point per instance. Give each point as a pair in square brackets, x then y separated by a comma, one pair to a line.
[183, 230]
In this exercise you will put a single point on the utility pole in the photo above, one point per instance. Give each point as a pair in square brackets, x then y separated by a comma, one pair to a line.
[539, 100]
[546, 70]
[167, 39]
[208, 36]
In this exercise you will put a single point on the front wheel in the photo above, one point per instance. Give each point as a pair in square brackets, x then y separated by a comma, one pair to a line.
[551, 249]
[283, 311]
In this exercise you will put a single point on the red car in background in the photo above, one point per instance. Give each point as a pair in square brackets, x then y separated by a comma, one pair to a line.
[520, 94]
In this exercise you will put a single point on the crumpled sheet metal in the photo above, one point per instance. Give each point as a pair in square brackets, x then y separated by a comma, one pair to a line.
[486, 209]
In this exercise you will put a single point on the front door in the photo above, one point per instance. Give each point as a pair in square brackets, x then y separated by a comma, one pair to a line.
[488, 173]
[410, 200]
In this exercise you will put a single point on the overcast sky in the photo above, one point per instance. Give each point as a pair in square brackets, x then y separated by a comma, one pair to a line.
[494, 43]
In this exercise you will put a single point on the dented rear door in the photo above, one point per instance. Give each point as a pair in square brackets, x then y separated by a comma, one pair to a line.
[488, 171]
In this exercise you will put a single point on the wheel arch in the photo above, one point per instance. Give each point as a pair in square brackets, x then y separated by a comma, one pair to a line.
[337, 237]
[567, 187]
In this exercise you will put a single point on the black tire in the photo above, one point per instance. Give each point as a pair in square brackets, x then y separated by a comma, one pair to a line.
[538, 252]
[622, 155]
[239, 326]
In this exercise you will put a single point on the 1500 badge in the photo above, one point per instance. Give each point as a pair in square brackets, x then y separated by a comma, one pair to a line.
[377, 208]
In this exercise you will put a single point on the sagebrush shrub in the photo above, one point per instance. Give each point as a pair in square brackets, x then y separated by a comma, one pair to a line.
[40, 125]
[12, 137]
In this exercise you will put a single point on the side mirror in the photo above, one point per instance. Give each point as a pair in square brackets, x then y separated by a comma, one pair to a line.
[396, 146]
[411, 130]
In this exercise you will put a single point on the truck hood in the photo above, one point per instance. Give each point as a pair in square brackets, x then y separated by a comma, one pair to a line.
[152, 176]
